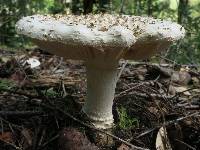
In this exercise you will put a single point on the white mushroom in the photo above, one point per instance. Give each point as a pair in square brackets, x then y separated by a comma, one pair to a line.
[101, 41]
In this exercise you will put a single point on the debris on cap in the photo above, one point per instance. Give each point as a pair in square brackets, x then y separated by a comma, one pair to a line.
[140, 36]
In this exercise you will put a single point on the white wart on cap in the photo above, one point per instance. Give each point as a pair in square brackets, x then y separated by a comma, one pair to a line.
[101, 41]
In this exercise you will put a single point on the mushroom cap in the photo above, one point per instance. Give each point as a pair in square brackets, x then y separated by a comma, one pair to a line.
[101, 36]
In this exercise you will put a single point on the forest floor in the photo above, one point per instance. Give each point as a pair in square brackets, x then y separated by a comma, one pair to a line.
[156, 106]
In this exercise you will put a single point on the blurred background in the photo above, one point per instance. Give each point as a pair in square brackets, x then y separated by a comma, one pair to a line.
[185, 12]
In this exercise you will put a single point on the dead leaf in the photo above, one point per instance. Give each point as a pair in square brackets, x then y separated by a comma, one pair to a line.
[172, 90]
[72, 139]
[162, 141]
[6, 69]
[182, 89]
[195, 81]
[7, 137]
[123, 147]
[19, 78]
[181, 77]
[27, 137]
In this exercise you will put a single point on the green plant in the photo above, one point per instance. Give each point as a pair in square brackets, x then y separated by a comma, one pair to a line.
[50, 93]
[125, 121]
[6, 84]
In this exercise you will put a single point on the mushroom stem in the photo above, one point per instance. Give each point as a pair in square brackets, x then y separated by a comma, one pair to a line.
[101, 83]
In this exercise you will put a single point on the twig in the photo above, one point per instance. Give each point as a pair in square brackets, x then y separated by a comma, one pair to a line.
[127, 90]
[163, 64]
[42, 137]
[64, 90]
[144, 95]
[21, 93]
[182, 118]
[49, 141]
[2, 127]
[179, 93]
[16, 126]
[146, 132]
[60, 63]
[192, 107]
[122, 69]
[189, 146]
[168, 123]
[20, 113]
[14, 146]
[136, 86]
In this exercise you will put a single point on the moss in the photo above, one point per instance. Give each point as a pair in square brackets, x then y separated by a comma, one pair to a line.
[126, 121]
[6, 84]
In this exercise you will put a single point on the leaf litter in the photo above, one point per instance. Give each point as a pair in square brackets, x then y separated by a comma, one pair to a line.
[162, 99]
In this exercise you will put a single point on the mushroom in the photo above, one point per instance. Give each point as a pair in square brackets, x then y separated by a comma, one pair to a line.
[100, 41]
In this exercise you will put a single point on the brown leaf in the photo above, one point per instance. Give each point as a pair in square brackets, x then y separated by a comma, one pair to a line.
[181, 77]
[19, 78]
[123, 147]
[72, 139]
[7, 137]
[6, 69]
[27, 137]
